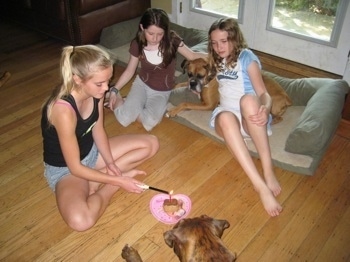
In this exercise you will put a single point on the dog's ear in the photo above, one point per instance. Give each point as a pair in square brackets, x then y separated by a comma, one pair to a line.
[184, 65]
[211, 74]
[169, 238]
[209, 78]
[220, 226]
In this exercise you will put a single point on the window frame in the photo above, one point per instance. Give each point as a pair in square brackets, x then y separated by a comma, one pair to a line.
[335, 35]
[338, 24]
[239, 18]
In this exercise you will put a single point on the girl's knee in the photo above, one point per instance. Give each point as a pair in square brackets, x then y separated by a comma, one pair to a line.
[153, 144]
[225, 118]
[149, 122]
[126, 116]
[249, 101]
[80, 222]
[122, 119]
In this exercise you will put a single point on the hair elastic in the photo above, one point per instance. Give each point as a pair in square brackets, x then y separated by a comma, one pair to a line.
[71, 54]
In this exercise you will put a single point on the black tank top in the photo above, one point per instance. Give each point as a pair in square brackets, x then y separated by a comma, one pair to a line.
[83, 131]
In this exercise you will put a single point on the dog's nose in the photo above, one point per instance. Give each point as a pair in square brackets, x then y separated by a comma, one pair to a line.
[193, 83]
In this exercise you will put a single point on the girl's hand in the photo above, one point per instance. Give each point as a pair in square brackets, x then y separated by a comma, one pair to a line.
[114, 100]
[113, 170]
[129, 183]
[262, 117]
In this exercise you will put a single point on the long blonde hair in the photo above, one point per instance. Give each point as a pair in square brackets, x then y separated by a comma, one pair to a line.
[235, 37]
[82, 61]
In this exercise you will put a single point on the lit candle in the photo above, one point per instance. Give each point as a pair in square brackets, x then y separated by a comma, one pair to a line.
[170, 193]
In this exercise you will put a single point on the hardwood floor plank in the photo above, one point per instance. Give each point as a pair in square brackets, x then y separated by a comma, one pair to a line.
[18, 188]
[310, 211]
[262, 235]
[337, 246]
[14, 235]
[323, 229]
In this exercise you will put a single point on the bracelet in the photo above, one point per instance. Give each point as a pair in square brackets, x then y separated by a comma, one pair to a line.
[114, 90]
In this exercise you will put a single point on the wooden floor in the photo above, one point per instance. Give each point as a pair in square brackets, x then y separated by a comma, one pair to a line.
[314, 226]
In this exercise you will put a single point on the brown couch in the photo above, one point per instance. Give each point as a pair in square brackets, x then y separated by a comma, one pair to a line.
[73, 21]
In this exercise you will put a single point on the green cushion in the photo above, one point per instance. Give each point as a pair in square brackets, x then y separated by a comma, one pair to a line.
[324, 100]
[122, 33]
[318, 123]
[190, 36]
[196, 39]
[119, 34]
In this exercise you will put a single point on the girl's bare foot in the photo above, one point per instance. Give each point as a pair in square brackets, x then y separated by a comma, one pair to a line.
[272, 207]
[273, 184]
[134, 172]
[93, 187]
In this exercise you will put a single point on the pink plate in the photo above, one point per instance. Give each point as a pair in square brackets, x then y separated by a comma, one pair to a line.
[156, 207]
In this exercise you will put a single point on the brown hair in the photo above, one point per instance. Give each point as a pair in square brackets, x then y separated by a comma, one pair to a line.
[235, 37]
[159, 18]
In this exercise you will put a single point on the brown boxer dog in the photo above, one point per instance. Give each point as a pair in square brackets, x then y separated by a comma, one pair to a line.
[199, 83]
[280, 98]
[193, 239]
[207, 89]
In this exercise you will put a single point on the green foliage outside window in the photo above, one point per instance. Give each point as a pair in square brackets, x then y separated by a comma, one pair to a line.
[324, 7]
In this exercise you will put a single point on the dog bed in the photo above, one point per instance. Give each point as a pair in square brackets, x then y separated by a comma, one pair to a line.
[299, 142]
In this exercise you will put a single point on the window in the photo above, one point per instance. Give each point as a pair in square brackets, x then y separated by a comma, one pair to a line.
[277, 27]
[219, 8]
[314, 20]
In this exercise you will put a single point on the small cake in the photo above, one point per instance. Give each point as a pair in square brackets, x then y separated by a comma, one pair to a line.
[171, 206]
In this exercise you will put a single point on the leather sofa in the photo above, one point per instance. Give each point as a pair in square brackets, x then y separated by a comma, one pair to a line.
[76, 22]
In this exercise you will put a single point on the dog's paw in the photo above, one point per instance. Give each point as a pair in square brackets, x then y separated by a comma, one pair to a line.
[170, 113]
[276, 119]
[130, 254]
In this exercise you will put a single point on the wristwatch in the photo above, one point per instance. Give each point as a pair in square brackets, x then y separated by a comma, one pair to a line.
[114, 90]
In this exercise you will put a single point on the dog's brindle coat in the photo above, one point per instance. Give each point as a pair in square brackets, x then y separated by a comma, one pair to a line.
[193, 239]
[198, 82]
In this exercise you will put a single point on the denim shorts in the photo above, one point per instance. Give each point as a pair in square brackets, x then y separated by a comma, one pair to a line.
[54, 174]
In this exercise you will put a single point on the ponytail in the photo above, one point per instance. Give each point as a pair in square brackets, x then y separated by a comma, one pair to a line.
[82, 61]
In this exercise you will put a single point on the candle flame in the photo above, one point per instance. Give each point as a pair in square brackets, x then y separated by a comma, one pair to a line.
[171, 192]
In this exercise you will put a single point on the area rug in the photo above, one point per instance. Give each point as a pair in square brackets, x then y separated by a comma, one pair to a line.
[302, 164]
